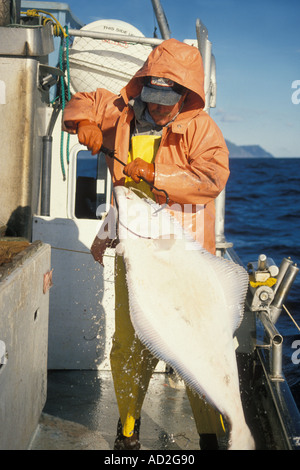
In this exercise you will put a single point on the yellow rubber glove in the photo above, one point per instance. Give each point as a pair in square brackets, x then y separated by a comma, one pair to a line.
[138, 169]
[90, 135]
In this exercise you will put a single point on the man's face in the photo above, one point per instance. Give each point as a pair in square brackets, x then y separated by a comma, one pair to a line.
[162, 114]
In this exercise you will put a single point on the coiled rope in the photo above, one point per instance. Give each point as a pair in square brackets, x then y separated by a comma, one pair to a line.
[64, 66]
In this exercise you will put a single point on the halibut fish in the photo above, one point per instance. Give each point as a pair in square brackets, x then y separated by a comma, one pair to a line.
[185, 305]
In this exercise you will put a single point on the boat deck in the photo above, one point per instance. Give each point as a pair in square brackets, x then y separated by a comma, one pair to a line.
[81, 414]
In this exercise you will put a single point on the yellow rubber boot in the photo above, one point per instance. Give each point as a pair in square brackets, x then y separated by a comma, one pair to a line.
[132, 364]
[209, 422]
[128, 436]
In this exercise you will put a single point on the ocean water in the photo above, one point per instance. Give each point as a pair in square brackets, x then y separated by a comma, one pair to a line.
[263, 216]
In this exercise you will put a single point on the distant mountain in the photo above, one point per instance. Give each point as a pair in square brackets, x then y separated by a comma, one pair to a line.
[247, 151]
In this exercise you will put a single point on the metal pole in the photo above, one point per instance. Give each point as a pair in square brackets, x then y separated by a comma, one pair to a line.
[282, 291]
[285, 264]
[213, 83]
[276, 371]
[46, 175]
[205, 48]
[220, 217]
[202, 36]
[114, 37]
[161, 19]
[276, 342]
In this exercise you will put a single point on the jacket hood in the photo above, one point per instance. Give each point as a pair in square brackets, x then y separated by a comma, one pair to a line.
[174, 60]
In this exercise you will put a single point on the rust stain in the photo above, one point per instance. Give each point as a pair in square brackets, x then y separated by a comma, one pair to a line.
[48, 283]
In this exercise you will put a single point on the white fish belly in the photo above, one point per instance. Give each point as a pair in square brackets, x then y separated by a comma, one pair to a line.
[185, 305]
[179, 309]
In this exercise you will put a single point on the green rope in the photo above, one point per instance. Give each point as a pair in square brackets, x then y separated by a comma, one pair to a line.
[68, 89]
[62, 84]
[64, 44]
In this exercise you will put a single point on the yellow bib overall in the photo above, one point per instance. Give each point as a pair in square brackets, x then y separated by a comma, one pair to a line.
[132, 364]
[145, 147]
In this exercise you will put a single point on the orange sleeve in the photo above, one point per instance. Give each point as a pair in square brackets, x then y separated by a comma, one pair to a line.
[85, 106]
[200, 175]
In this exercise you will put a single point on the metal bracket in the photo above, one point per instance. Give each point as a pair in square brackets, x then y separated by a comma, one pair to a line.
[263, 296]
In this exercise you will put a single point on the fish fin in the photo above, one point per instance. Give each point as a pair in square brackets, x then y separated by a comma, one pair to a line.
[240, 437]
[235, 280]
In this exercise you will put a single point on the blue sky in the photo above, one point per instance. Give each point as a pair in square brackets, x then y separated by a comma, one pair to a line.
[257, 48]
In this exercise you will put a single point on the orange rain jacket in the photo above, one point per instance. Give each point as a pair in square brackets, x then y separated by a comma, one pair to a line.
[192, 161]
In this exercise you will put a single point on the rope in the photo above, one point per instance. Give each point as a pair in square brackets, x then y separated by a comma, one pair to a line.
[57, 27]
[58, 30]
[63, 99]
[291, 317]
[64, 44]
[68, 82]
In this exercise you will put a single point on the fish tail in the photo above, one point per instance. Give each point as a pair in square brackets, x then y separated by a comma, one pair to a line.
[240, 438]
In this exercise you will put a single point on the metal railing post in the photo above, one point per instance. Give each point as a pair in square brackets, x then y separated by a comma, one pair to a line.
[276, 342]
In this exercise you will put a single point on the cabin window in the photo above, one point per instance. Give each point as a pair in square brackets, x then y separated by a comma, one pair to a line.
[91, 185]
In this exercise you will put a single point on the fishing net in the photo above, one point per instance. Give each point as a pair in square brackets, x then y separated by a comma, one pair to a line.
[105, 63]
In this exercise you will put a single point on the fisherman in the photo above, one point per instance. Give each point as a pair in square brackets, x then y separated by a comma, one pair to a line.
[160, 131]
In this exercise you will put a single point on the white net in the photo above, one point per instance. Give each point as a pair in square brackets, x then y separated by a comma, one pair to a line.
[105, 63]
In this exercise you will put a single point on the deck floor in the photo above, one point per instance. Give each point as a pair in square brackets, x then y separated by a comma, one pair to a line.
[81, 414]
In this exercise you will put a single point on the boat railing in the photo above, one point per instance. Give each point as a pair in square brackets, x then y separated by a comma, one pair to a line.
[274, 342]
[114, 37]
[269, 287]
[268, 284]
